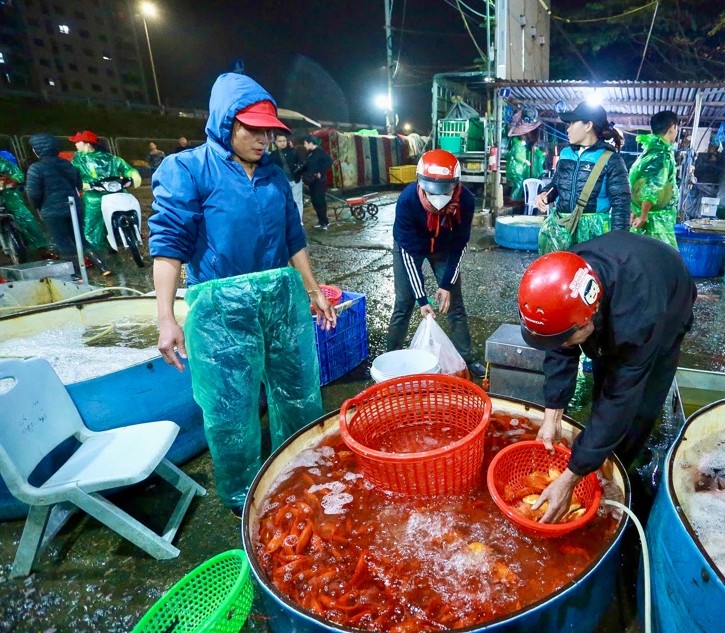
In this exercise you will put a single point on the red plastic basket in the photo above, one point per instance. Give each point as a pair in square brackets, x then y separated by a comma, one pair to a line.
[424, 406]
[332, 293]
[513, 463]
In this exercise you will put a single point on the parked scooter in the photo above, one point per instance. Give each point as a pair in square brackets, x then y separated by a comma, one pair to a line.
[121, 215]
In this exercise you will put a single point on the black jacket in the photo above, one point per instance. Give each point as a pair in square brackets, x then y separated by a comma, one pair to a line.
[610, 191]
[645, 310]
[51, 179]
[318, 161]
[288, 161]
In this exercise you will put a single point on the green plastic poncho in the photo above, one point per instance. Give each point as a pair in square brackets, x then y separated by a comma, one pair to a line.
[519, 166]
[13, 200]
[555, 238]
[240, 332]
[94, 166]
[652, 179]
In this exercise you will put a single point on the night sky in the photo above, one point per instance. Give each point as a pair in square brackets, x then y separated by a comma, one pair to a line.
[325, 59]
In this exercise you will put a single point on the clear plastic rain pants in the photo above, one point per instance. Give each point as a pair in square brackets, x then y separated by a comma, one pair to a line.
[241, 332]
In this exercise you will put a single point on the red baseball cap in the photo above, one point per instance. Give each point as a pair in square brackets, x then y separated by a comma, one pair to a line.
[86, 136]
[261, 114]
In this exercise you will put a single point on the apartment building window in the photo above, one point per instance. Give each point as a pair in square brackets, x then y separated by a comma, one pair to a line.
[73, 67]
[78, 85]
[68, 48]
[96, 88]
[110, 72]
[84, 34]
[2, 58]
[38, 42]
[92, 70]
[64, 29]
[44, 62]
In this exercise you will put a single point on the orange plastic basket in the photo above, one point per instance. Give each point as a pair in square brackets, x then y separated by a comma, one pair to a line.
[513, 463]
[421, 409]
[332, 293]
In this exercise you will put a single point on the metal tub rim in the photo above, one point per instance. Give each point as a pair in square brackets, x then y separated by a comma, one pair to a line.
[672, 493]
[325, 424]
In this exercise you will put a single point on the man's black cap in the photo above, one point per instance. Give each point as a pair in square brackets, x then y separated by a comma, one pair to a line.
[586, 112]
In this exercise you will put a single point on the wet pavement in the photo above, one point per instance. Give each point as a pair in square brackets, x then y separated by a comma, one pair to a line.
[91, 580]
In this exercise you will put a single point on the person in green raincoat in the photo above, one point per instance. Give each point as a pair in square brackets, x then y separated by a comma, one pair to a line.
[95, 165]
[653, 183]
[13, 201]
[524, 159]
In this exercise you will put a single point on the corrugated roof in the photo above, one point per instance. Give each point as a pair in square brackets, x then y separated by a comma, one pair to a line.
[628, 103]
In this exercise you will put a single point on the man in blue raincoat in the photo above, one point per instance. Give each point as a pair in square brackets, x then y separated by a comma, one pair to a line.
[227, 211]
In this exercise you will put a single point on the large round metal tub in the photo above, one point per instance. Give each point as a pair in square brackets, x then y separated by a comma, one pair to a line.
[143, 392]
[576, 608]
[688, 589]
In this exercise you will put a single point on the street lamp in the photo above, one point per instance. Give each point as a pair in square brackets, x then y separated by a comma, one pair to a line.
[149, 10]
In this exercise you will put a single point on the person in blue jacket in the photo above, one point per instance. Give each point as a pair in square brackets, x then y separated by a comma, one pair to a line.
[433, 218]
[607, 209]
[226, 211]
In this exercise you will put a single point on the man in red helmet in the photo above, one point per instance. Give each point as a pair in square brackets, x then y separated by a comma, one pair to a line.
[624, 300]
[433, 219]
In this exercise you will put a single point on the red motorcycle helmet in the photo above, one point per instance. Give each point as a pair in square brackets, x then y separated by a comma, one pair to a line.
[558, 294]
[438, 172]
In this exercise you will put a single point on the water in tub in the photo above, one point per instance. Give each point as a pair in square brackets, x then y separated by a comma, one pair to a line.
[79, 352]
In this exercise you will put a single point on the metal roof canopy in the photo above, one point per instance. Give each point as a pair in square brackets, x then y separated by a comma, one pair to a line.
[630, 104]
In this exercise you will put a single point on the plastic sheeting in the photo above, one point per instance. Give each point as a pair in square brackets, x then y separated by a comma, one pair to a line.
[661, 226]
[553, 237]
[652, 179]
[241, 332]
[94, 166]
[15, 204]
[519, 166]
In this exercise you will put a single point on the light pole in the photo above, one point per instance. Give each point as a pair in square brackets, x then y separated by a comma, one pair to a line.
[148, 9]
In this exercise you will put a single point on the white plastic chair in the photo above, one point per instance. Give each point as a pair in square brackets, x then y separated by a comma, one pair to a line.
[532, 187]
[36, 415]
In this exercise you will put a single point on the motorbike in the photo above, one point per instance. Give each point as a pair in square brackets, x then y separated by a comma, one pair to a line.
[11, 239]
[121, 214]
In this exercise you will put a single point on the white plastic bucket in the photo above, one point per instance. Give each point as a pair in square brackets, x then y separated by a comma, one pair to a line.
[403, 362]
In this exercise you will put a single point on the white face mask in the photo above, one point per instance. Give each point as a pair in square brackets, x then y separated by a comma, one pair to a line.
[439, 201]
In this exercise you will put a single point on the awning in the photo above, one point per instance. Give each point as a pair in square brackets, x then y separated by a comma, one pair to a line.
[628, 103]
[291, 115]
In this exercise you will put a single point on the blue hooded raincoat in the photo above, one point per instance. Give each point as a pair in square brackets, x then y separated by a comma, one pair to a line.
[249, 319]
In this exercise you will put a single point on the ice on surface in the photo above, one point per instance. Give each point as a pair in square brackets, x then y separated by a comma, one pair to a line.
[705, 509]
[72, 360]
[312, 457]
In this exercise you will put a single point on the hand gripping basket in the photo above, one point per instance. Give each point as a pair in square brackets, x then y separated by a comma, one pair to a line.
[510, 468]
[332, 293]
[424, 406]
[216, 597]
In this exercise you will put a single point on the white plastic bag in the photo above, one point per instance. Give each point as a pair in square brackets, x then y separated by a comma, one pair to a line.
[430, 337]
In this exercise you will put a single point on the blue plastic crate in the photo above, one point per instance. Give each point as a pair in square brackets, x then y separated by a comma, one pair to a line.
[343, 348]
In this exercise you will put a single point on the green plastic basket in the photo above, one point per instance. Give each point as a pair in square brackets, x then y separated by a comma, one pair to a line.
[216, 597]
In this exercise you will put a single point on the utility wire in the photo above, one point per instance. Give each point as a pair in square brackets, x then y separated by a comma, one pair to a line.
[473, 39]
[588, 20]
[646, 44]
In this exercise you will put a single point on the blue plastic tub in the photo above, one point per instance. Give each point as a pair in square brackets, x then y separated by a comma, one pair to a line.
[703, 253]
[688, 588]
[519, 232]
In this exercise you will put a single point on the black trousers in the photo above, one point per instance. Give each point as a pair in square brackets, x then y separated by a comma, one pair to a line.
[319, 201]
[649, 407]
